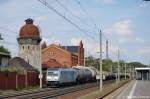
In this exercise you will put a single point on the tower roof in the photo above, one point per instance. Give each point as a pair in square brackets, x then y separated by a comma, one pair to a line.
[29, 29]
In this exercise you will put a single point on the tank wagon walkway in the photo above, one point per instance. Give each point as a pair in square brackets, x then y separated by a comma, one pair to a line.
[136, 89]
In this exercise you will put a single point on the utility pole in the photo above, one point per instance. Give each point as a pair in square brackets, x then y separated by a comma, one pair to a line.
[84, 61]
[107, 56]
[111, 68]
[0, 40]
[118, 65]
[125, 70]
[40, 75]
[100, 62]
[1, 37]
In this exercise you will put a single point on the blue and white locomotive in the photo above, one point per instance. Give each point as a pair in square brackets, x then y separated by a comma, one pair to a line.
[60, 76]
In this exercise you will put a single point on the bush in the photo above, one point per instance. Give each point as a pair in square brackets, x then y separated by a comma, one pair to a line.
[12, 69]
[4, 50]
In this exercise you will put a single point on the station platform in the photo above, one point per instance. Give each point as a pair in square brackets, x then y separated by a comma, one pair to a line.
[136, 89]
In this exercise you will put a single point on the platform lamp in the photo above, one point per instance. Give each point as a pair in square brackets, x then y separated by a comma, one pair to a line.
[1, 37]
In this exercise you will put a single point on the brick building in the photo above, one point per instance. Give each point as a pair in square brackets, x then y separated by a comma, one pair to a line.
[63, 56]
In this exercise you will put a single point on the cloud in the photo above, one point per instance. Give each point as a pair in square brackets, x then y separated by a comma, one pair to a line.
[139, 40]
[41, 18]
[144, 51]
[144, 5]
[50, 41]
[122, 30]
[93, 48]
[108, 2]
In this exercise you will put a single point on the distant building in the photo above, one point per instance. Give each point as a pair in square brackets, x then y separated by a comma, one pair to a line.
[65, 56]
[21, 64]
[29, 44]
[4, 59]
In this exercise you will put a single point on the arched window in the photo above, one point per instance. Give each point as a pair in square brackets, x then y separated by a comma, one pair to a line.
[28, 47]
[23, 47]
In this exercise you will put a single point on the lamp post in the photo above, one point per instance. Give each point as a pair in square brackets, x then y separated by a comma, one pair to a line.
[100, 61]
[1, 37]
[118, 65]
[125, 71]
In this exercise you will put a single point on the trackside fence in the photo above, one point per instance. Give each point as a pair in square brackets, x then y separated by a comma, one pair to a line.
[12, 80]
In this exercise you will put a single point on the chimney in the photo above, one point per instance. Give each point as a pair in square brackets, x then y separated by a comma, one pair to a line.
[29, 21]
[80, 52]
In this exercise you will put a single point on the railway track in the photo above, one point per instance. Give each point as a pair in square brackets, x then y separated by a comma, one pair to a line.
[51, 92]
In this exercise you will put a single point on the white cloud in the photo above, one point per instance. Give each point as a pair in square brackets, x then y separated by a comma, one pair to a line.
[121, 28]
[50, 41]
[139, 40]
[92, 48]
[75, 41]
[144, 4]
[145, 51]
[41, 18]
[105, 1]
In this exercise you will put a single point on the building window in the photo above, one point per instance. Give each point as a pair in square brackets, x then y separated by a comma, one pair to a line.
[51, 53]
[0, 61]
[33, 47]
[28, 47]
[23, 47]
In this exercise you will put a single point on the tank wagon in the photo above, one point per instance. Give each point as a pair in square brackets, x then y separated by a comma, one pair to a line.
[60, 76]
[84, 74]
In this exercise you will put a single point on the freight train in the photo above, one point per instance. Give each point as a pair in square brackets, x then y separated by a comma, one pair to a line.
[74, 75]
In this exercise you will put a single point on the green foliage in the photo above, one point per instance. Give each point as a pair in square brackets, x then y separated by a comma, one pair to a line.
[136, 64]
[91, 61]
[108, 64]
[4, 50]
[13, 69]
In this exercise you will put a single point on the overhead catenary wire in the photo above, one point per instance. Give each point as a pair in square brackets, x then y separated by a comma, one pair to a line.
[87, 14]
[77, 17]
[7, 29]
[90, 18]
[8, 42]
[67, 19]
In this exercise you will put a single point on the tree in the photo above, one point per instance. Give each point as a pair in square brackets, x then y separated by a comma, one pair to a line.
[107, 63]
[4, 50]
[136, 64]
[90, 61]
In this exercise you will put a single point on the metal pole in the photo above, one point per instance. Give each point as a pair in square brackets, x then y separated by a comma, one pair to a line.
[111, 68]
[125, 70]
[118, 65]
[100, 62]
[107, 55]
[84, 60]
[0, 40]
[1, 37]
[40, 76]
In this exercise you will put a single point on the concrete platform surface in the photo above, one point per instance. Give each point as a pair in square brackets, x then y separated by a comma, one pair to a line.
[136, 89]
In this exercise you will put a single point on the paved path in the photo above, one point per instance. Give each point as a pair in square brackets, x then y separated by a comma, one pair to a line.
[136, 89]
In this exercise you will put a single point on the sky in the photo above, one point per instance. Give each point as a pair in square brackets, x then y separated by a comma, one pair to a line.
[125, 23]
